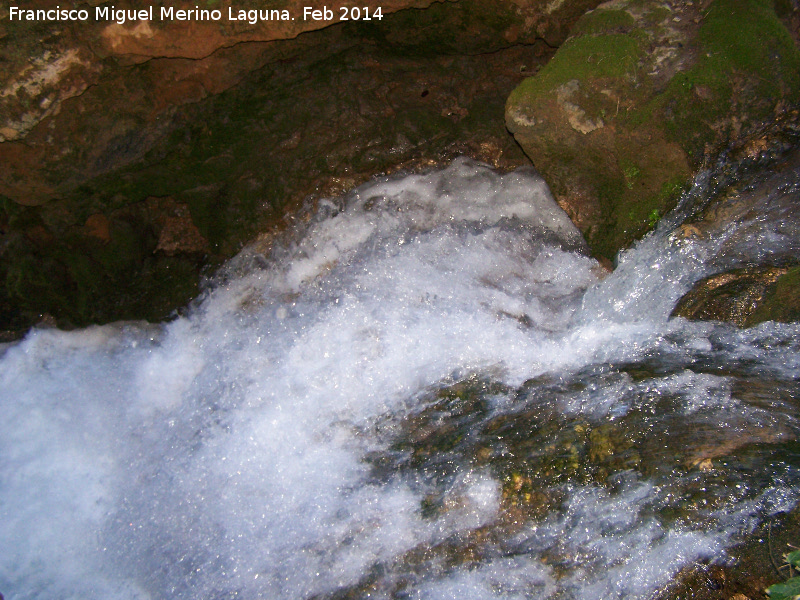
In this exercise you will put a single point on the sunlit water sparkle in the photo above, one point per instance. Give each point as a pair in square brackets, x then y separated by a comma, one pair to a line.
[297, 433]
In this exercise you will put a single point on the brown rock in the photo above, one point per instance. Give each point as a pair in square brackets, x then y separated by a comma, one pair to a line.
[237, 125]
[97, 226]
[178, 233]
[733, 296]
[640, 96]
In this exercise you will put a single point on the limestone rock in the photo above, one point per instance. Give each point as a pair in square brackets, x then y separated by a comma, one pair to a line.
[640, 96]
[767, 288]
[237, 125]
[735, 296]
[745, 297]
[781, 301]
[177, 233]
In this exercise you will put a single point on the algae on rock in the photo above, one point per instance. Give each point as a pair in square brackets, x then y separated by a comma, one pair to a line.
[644, 94]
[755, 277]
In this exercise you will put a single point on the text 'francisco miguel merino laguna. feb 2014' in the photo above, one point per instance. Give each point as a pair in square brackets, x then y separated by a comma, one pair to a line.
[170, 13]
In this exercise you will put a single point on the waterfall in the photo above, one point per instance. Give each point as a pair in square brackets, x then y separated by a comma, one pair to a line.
[427, 390]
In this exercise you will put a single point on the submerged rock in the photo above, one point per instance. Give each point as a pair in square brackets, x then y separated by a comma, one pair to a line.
[641, 95]
[749, 569]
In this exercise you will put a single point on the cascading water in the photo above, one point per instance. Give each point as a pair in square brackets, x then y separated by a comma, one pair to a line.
[430, 392]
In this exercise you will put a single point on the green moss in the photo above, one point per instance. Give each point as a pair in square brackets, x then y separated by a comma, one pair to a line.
[630, 171]
[653, 217]
[781, 302]
[783, 8]
[763, 44]
[672, 188]
[17, 216]
[604, 21]
[613, 55]
[754, 66]
[656, 15]
[735, 77]
[81, 279]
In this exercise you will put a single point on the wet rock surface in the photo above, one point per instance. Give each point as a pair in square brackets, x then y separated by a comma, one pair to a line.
[761, 280]
[538, 455]
[644, 93]
[745, 297]
[47, 64]
[733, 296]
[751, 568]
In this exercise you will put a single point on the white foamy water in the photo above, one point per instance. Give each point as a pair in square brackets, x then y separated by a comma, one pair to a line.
[224, 454]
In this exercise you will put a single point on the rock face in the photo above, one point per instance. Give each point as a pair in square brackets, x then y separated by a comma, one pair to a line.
[61, 77]
[644, 93]
[50, 63]
[133, 155]
[736, 296]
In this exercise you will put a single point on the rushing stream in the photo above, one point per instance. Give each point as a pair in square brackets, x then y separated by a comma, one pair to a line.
[429, 391]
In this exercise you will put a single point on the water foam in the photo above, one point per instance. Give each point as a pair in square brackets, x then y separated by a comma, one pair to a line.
[223, 454]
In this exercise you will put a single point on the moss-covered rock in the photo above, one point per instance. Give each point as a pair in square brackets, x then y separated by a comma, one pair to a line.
[735, 296]
[745, 297]
[749, 569]
[641, 96]
[130, 264]
[781, 301]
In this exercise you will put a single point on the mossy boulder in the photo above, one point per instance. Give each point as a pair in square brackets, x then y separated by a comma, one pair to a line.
[752, 222]
[745, 297]
[641, 96]
[781, 301]
[735, 296]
